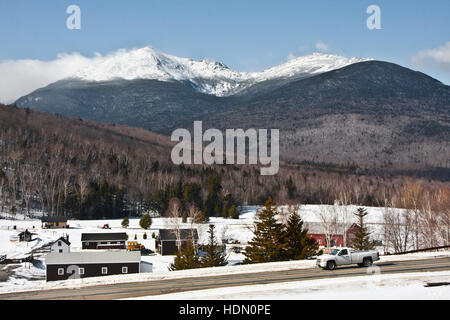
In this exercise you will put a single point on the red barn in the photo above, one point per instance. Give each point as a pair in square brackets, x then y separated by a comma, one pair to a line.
[315, 231]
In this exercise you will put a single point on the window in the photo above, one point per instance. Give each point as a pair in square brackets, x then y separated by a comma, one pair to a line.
[60, 271]
[60, 250]
[104, 270]
[343, 252]
[59, 244]
[124, 269]
[81, 271]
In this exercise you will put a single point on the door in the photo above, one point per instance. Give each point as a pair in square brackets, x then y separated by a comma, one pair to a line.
[343, 257]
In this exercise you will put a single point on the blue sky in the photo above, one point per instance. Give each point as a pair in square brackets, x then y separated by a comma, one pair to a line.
[245, 35]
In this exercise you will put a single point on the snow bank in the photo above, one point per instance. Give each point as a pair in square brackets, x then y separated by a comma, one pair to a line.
[374, 287]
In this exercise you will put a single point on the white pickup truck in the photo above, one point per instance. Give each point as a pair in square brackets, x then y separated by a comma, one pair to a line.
[345, 256]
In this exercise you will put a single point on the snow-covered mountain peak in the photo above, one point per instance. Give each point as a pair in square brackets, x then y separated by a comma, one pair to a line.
[314, 63]
[205, 75]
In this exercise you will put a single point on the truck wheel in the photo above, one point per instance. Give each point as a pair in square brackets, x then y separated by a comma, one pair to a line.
[367, 262]
[331, 265]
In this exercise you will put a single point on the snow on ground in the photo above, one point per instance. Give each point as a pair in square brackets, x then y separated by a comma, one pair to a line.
[240, 230]
[19, 285]
[374, 287]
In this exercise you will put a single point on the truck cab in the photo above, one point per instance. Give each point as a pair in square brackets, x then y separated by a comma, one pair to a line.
[347, 256]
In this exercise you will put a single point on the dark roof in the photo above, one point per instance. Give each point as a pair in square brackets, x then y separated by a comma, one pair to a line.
[53, 219]
[170, 234]
[25, 232]
[105, 236]
[63, 240]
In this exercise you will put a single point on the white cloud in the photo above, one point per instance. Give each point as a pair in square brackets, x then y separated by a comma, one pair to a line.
[321, 46]
[433, 59]
[20, 77]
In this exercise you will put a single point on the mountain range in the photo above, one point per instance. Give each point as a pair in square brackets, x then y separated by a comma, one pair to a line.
[329, 109]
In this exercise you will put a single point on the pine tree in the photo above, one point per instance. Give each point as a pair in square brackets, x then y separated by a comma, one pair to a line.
[361, 240]
[214, 257]
[233, 212]
[145, 221]
[268, 243]
[186, 258]
[299, 245]
[125, 222]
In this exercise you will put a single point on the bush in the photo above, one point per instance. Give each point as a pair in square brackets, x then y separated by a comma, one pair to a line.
[125, 222]
[145, 221]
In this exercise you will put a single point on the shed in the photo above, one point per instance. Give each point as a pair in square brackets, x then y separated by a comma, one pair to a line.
[25, 236]
[168, 244]
[53, 222]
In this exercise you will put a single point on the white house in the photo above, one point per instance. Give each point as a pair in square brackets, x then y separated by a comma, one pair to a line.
[62, 245]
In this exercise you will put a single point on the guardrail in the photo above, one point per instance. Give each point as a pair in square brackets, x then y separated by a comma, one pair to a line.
[424, 250]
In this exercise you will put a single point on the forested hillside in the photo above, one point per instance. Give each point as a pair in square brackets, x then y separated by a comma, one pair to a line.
[82, 169]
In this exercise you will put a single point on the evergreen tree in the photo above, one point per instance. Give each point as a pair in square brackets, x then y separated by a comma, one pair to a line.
[361, 240]
[145, 221]
[125, 222]
[186, 258]
[268, 243]
[214, 256]
[299, 245]
[233, 212]
[144, 236]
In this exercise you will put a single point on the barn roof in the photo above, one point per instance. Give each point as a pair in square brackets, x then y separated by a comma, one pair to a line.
[93, 257]
[170, 234]
[54, 219]
[104, 236]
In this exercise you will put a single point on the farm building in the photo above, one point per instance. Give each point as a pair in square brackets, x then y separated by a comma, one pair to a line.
[316, 231]
[62, 245]
[54, 222]
[105, 240]
[168, 242]
[75, 265]
[25, 236]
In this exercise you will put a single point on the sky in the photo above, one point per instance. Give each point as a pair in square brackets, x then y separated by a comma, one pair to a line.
[36, 47]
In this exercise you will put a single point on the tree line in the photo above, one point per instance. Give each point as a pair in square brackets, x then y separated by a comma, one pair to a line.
[85, 170]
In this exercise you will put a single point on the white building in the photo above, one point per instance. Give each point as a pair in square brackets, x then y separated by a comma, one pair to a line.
[62, 245]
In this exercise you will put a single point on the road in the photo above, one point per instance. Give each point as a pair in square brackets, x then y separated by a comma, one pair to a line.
[147, 288]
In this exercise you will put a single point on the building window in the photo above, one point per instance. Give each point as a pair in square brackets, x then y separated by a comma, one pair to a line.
[59, 244]
[81, 271]
[104, 270]
[60, 271]
[124, 269]
[60, 250]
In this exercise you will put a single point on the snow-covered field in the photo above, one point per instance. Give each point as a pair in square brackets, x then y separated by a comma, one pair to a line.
[374, 287]
[28, 276]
